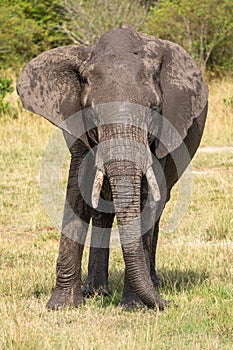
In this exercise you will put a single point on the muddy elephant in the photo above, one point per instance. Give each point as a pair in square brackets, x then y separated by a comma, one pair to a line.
[134, 107]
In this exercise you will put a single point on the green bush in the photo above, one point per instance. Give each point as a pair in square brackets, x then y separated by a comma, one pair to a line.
[29, 28]
[5, 88]
[204, 29]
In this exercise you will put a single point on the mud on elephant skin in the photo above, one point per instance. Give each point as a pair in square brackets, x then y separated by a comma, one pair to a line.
[144, 104]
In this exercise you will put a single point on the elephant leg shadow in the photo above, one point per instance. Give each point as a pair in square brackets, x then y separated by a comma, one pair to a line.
[169, 281]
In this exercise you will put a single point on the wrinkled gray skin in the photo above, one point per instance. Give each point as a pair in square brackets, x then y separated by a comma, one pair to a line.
[123, 66]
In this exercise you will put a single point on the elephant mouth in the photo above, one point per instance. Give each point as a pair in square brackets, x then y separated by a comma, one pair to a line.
[121, 151]
[99, 178]
[123, 137]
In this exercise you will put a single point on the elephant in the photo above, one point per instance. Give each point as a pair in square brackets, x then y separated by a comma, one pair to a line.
[132, 106]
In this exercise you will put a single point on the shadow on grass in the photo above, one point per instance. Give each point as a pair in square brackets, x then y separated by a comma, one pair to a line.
[181, 280]
[171, 281]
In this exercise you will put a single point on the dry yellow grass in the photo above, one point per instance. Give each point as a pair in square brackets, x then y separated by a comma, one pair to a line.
[219, 130]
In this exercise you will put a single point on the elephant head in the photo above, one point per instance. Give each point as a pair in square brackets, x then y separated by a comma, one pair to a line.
[135, 74]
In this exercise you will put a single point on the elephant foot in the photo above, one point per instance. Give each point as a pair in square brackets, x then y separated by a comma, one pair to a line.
[132, 302]
[161, 304]
[89, 290]
[65, 297]
[129, 305]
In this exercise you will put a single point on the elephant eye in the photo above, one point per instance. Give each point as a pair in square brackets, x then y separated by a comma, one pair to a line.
[97, 70]
[157, 108]
[83, 79]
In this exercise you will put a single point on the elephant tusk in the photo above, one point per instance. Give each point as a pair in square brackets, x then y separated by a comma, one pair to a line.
[98, 182]
[153, 184]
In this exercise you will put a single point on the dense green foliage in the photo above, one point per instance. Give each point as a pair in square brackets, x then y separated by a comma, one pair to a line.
[28, 28]
[204, 28]
[5, 88]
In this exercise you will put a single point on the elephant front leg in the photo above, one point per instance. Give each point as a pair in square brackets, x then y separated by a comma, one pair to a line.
[97, 280]
[75, 224]
[67, 291]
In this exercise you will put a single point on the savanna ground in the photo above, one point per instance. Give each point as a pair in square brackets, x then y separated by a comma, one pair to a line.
[195, 261]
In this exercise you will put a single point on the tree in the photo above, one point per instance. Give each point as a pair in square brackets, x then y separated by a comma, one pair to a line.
[89, 19]
[28, 28]
[202, 28]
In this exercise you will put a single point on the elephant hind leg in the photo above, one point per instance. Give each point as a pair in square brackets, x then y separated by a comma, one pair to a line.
[97, 280]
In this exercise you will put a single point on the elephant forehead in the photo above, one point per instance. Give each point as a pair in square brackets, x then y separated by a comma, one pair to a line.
[119, 40]
[115, 61]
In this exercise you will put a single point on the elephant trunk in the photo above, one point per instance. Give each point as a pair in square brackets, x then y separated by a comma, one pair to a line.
[125, 180]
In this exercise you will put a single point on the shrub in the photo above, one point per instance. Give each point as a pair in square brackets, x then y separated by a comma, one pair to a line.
[5, 88]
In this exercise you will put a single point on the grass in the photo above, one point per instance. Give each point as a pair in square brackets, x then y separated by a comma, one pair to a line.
[219, 131]
[194, 261]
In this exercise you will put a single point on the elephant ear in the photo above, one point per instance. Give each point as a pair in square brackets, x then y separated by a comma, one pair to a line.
[184, 92]
[50, 84]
